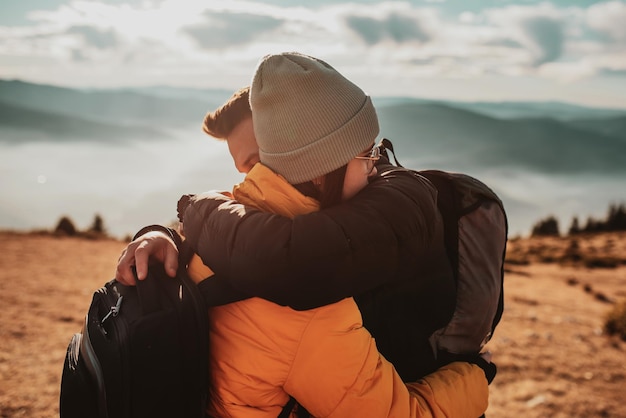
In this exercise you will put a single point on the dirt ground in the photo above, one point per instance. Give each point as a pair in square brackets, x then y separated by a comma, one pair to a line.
[552, 356]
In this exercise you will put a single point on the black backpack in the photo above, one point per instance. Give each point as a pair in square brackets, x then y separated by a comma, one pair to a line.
[142, 352]
[475, 236]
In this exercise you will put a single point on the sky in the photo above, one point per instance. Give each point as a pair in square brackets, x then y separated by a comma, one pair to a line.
[467, 50]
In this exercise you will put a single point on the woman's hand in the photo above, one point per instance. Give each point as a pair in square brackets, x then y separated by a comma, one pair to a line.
[154, 245]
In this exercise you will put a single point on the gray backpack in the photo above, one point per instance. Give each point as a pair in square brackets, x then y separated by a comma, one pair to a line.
[475, 228]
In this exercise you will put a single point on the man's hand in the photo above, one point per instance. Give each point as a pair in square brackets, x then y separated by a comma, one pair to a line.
[154, 245]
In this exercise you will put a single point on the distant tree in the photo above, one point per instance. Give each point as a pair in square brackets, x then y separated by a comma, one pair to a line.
[65, 226]
[593, 225]
[616, 219]
[574, 228]
[98, 225]
[546, 227]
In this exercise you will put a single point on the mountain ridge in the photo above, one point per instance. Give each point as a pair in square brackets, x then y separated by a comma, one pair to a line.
[111, 106]
[461, 138]
[442, 134]
[42, 126]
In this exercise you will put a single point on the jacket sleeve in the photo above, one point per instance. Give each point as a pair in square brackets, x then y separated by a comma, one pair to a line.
[455, 390]
[356, 380]
[319, 258]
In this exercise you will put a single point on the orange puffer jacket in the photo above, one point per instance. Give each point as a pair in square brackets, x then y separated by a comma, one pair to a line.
[261, 352]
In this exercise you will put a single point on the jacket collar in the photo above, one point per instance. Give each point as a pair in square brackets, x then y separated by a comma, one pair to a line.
[270, 192]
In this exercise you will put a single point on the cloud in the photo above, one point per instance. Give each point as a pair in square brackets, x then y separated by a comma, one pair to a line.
[78, 55]
[394, 26]
[504, 42]
[225, 29]
[546, 38]
[101, 39]
[218, 42]
[613, 73]
[541, 30]
[608, 18]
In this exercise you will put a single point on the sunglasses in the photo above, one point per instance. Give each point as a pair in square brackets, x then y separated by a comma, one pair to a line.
[371, 158]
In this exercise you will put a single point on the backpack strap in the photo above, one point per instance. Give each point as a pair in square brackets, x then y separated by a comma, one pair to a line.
[447, 202]
[385, 146]
[448, 205]
[301, 412]
[288, 408]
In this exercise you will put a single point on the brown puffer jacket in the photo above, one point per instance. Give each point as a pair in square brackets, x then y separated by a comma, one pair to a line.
[384, 247]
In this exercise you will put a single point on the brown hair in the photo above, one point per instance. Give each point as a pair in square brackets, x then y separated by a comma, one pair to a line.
[333, 187]
[331, 192]
[221, 122]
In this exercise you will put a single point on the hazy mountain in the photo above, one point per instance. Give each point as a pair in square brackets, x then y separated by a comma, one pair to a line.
[18, 124]
[553, 110]
[443, 134]
[436, 134]
[514, 110]
[385, 101]
[112, 106]
[612, 126]
[174, 105]
[212, 97]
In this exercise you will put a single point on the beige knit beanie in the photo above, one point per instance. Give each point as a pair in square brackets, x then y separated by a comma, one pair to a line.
[308, 119]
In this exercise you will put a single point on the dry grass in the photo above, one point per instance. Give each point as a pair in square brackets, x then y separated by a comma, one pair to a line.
[553, 358]
[46, 286]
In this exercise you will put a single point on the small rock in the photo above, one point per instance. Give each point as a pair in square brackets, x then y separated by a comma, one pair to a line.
[537, 400]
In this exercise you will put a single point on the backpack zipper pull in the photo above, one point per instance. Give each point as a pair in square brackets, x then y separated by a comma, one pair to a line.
[114, 311]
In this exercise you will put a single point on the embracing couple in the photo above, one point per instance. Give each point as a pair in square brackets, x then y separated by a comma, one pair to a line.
[327, 266]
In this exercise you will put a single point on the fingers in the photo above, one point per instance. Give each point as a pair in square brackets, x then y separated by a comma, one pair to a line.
[153, 245]
[142, 257]
[123, 272]
[170, 259]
